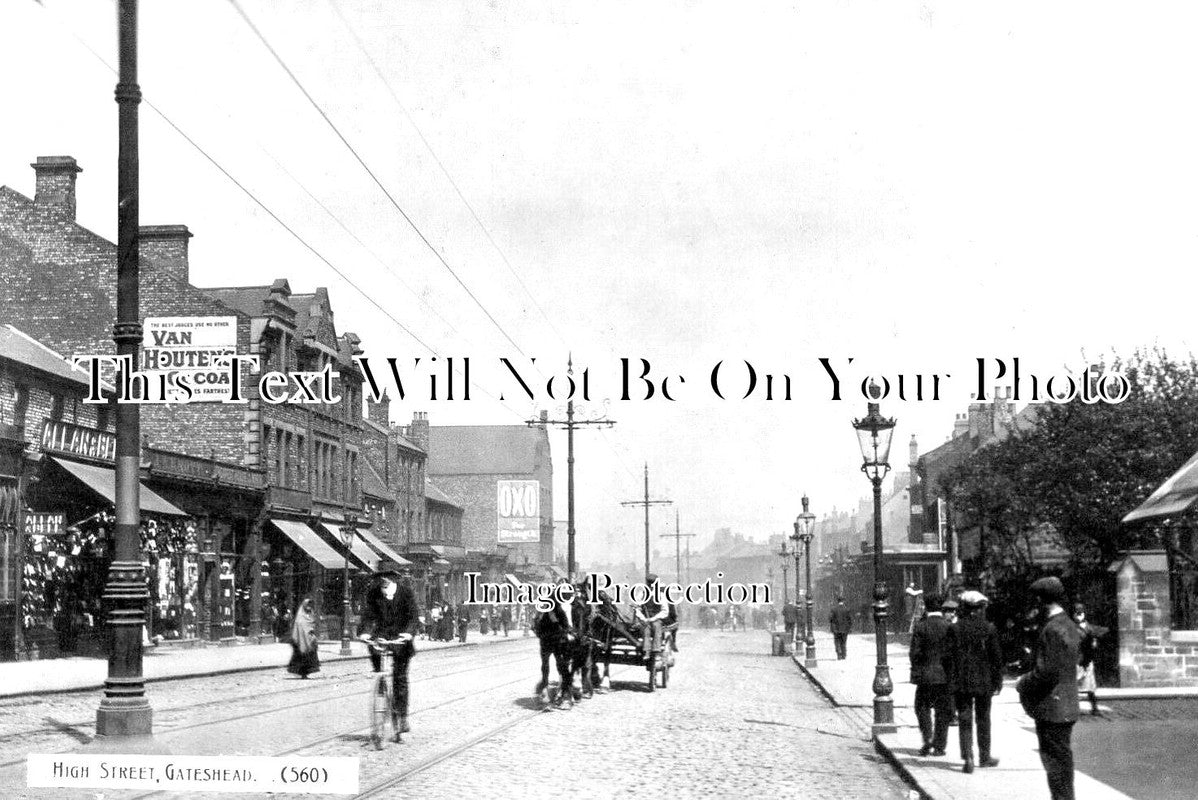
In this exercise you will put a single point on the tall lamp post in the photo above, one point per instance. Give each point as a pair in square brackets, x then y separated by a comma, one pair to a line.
[873, 435]
[804, 532]
[347, 537]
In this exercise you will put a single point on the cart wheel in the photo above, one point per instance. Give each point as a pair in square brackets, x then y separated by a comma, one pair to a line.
[652, 674]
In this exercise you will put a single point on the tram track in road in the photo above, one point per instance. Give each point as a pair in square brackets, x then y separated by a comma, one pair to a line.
[332, 693]
[456, 749]
[428, 761]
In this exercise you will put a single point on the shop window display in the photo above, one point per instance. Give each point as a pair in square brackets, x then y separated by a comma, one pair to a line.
[64, 577]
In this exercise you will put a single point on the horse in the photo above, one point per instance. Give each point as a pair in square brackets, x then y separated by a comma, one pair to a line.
[559, 639]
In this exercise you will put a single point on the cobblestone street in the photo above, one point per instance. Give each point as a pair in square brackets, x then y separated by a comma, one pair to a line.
[730, 724]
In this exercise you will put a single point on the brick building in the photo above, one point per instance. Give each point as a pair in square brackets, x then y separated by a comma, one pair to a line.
[269, 484]
[473, 464]
[56, 501]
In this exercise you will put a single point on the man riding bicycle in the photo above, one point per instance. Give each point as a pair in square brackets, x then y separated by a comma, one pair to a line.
[390, 614]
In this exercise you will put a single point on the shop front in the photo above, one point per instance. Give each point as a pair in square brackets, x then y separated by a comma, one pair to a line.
[68, 548]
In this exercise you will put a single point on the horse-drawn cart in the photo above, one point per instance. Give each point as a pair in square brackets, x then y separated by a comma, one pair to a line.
[615, 640]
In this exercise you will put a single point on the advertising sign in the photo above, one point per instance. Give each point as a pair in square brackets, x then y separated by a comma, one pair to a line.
[45, 522]
[519, 504]
[187, 349]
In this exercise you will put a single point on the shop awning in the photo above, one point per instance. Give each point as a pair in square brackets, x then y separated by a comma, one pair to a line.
[307, 540]
[357, 547]
[102, 481]
[383, 548]
[1172, 497]
[513, 580]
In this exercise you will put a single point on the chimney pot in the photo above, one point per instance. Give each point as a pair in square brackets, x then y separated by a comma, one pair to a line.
[166, 246]
[55, 184]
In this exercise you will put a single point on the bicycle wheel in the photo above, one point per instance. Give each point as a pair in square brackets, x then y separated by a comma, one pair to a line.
[380, 711]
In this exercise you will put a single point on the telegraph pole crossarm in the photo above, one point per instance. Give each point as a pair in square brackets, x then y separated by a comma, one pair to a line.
[569, 424]
[646, 503]
[677, 537]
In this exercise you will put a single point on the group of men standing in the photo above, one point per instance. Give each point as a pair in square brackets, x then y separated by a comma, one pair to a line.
[959, 667]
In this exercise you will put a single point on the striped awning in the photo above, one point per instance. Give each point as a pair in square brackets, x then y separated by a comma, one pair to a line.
[310, 542]
[358, 548]
[383, 548]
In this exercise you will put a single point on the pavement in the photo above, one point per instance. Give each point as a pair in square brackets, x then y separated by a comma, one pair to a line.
[1019, 775]
[165, 663]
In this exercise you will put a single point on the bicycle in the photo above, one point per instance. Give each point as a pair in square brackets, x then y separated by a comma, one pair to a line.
[382, 698]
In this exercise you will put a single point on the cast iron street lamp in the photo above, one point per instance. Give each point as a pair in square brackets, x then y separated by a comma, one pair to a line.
[347, 536]
[804, 531]
[873, 434]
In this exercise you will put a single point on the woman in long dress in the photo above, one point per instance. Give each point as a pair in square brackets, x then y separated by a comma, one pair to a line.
[1086, 683]
[304, 658]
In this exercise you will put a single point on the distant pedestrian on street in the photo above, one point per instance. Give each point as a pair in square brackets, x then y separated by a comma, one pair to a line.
[977, 664]
[930, 672]
[304, 658]
[842, 623]
[1086, 683]
[1049, 692]
[463, 617]
[505, 618]
[790, 619]
[484, 622]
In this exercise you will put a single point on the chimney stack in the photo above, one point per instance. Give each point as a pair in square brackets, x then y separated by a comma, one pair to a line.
[166, 246]
[55, 187]
[379, 412]
[419, 429]
[960, 425]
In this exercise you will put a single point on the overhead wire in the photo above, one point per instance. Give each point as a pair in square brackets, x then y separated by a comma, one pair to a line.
[373, 176]
[440, 165]
[270, 212]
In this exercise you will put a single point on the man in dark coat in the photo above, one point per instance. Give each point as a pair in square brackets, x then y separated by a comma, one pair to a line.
[842, 623]
[977, 664]
[930, 674]
[390, 613]
[1049, 692]
[790, 618]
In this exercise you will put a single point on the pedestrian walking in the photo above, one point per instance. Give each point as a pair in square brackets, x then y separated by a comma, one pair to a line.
[790, 619]
[841, 623]
[304, 657]
[977, 664]
[484, 622]
[505, 618]
[1049, 692]
[930, 672]
[1088, 648]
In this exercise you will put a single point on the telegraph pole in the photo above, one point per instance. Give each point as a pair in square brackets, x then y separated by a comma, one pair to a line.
[569, 424]
[646, 503]
[124, 711]
[677, 537]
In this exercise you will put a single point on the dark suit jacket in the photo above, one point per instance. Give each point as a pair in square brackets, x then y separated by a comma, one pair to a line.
[387, 619]
[842, 619]
[976, 656]
[929, 654]
[1049, 692]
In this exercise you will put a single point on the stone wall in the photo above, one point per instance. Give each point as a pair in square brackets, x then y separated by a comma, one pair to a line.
[1151, 653]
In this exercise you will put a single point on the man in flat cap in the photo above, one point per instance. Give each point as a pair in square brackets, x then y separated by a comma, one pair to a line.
[977, 676]
[1049, 692]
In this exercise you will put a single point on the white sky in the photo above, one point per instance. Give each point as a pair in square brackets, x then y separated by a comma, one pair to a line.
[912, 185]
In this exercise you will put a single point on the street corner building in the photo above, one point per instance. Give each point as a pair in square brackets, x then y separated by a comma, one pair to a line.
[245, 507]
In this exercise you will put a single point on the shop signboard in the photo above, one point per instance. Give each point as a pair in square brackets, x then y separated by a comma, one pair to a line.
[519, 511]
[79, 441]
[46, 523]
